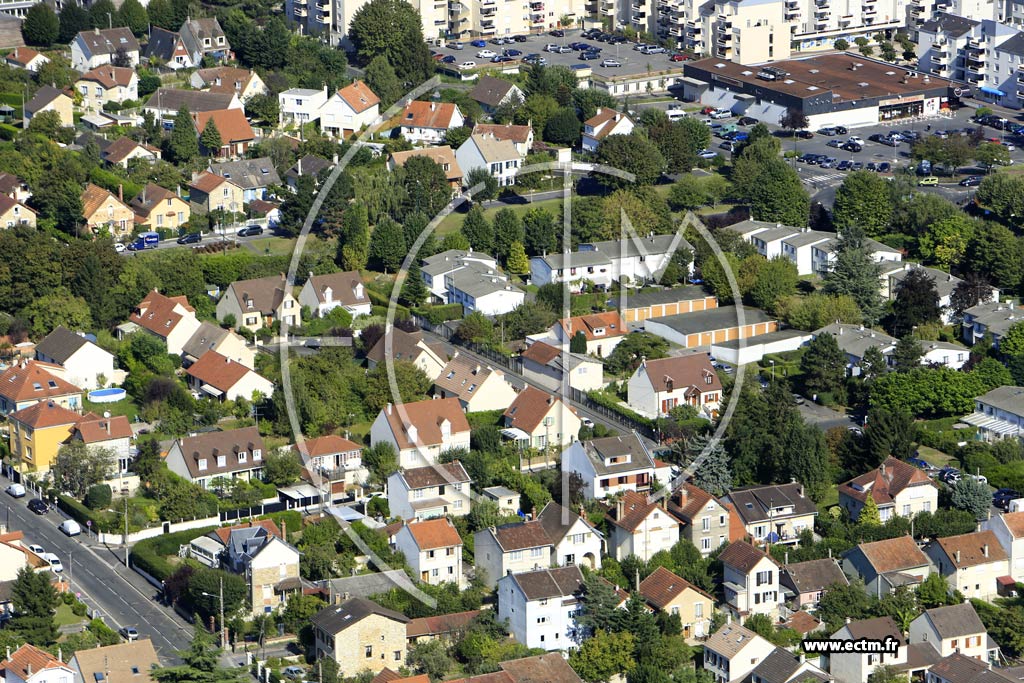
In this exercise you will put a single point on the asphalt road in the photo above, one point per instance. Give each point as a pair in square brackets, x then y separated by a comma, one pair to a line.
[99, 575]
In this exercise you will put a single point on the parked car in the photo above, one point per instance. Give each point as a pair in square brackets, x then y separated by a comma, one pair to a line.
[587, 422]
[728, 146]
[501, 59]
[513, 52]
[486, 54]
[551, 47]
[293, 672]
[129, 633]
[652, 50]
[535, 59]
[119, 248]
[949, 475]
[519, 39]
[448, 59]
[707, 154]
[828, 162]
[70, 527]
[479, 43]
[842, 130]
[1002, 497]
[748, 121]
[918, 462]
[456, 45]
[38, 506]
[37, 549]
[928, 181]
[799, 400]
[557, 33]
[250, 230]
[871, 166]
[677, 57]
[804, 134]
[857, 166]
[884, 167]
[971, 181]
[193, 237]
[467, 65]
[587, 56]
[721, 114]
[843, 165]
[834, 143]
[827, 130]
[851, 146]
[55, 564]
[15, 491]
[611, 63]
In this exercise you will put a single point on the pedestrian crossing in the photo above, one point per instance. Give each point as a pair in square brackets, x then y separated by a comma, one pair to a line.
[821, 177]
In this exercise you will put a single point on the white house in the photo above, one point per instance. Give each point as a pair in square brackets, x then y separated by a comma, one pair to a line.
[225, 379]
[823, 255]
[640, 527]
[421, 431]
[536, 419]
[114, 434]
[482, 290]
[610, 465]
[658, 386]
[602, 332]
[751, 581]
[272, 574]
[210, 337]
[605, 122]
[324, 293]
[26, 58]
[85, 364]
[732, 652]
[547, 365]
[333, 457]
[437, 268]
[420, 493]
[1009, 530]
[944, 282]
[300, 106]
[952, 629]
[574, 539]
[999, 414]
[257, 303]
[799, 248]
[428, 122]
[855, 340]
[897, 488]
[29, 664]
[856, 667]
[492, 93]
[776, 513]
[500, 158]
[232, 454]
[635, 260]
[540, 606]
[971, 563]
[349, 110]
[520, 135]
[994, 318]
[170, 319]
[433, 550]
[94, 48]
[399, 345]
[477, 387]
[511, 548]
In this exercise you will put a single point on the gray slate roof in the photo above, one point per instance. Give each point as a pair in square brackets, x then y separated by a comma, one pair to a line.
[61, 344]
[203, 339]
[337, 618]
[1013, 46]
[1008, 398]
[161, 43]
[630, 444]
[173, 99]
[107, 41]
[249, 174]
[365, 585]
[956, 621]
[543, 584]
[778, 667]
[752, 503]
[711, 319]
[952, 24]
[815, 575]
[654, 297]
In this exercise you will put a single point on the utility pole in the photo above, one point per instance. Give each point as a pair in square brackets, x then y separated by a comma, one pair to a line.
[223, 626]
[126, 532]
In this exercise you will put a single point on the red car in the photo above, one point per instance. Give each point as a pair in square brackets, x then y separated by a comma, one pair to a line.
[678, 57]
[707, 110]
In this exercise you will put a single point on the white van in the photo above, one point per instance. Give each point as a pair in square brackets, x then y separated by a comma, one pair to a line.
[675, 115]
[70, 527]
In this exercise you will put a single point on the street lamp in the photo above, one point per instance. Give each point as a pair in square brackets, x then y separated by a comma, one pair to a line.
[773, 370]
[222, 639]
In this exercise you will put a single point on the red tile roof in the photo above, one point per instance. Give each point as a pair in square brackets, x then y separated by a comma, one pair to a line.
[98, 430]
[109, 76]
[443, 624]
[539, 352]
[218, 371]
[270, 525]
[1014, 521]
[231, 124]
[970, 550]
[358, 96]
[521, 535]
[437, 115]
[207, 182]
[22, 55]
[742, 556]
[156, 312]
[93, 199]
[603, 122]
[34, 379]
[610, 321]
[635, 509]
[517, 134]
[427, 417]
[885, 482]
[893, 554]
[661, 587]
[692, 372]
[328, 445]
[29, 659]
[45, 414]
[530, 407]
[118, 150]
[434, 533]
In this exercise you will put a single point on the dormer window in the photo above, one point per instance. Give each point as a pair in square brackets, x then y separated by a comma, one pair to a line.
[243, 456]
[222, 461]
[202, 464]
[257, 454]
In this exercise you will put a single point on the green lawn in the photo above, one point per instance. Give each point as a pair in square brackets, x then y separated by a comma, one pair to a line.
[829, 499]
[125, 407]
[934, 456]
[65, 617]
[273, 246]
[454, 220]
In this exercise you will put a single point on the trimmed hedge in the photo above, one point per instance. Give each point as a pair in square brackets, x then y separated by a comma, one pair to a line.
[83, 515]
[607, 401]
[440, 313]
[150, 555]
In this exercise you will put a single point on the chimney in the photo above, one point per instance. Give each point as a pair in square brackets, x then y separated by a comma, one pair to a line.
[785, 559]
[728, 619]
[984, 549]
[803, 658]
[849, 620]
[533, 512]
[108, 427]
[618, 509]
[433, 106]
[284, 530]
[881, 469]
[956, 557]
[120, 193]
[389, 409]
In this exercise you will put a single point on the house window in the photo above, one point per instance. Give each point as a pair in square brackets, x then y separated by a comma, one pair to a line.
[577, 538]
[705, 544]
[398, 655]
[517, 555]
[434, 572]
[698, 609]
[368, 651]
[536, 552]
[430, 554]
[763, 578]
[457, 505]
[705, 524]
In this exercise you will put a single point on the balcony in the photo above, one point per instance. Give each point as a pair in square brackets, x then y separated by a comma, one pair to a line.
[693, 28]
[537, 6]
[868, 10]
[301, 12]
[676, 31]
[723, 52]
[322, 19]
[845, 21]
[940, 70]
[1020, 94]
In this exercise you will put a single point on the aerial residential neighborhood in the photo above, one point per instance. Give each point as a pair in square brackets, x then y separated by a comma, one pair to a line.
[364, 341]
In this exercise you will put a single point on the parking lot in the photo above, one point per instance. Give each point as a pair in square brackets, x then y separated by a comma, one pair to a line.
[633, 62]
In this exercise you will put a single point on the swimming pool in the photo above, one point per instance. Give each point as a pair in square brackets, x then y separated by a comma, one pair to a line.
[112, 395]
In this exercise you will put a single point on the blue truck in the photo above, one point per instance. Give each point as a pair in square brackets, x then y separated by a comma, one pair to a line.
[145, 240]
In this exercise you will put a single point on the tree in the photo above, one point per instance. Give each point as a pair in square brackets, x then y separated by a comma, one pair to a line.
[76, 467]
[392, 29]
[476, 328]
[59, 307]
[916, 302]
[886, 673]
[210, 138]
[634, 154]
[990, 154]
[508, 228]
[794, 119]
[478, 230]
[872, 364]
[995, 254]
[818, 310]
[41, 26]
[381, 460]
[35, 602]
[263, 107]
[564, 128]
[517, 262]
[411, 384]
[425, 184]
[73, 20]
[856, 274]
[282, 467]
[823, 365]
[388, 248]
[926, 392]
[414, 289]
[945, 242]
[775, 280]
[382, 80]
[200, 662]
[183, 144]
[933, 591]
[431, 658]
[907, 354]
[679, 142]
[712, 473]
[102, 14]
[603, 655]
[969, 292]
[98, 497]
[133, 15]
[578, 343]
[841, 45]
[627, 354]
[489, 187]
[539, 231]
[972, 495]
[863, 200]
[777, 195]
[299, 610]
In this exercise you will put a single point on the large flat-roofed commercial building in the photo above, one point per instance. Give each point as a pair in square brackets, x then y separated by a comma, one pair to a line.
[833, 89]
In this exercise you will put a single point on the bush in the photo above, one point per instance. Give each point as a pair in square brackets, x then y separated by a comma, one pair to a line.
[83, 515]
[98, 497]
[440, 313]
[79, 609]
[611, 402]
[150, 554]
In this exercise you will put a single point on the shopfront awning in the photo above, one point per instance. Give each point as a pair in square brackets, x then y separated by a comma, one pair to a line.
[995, 92]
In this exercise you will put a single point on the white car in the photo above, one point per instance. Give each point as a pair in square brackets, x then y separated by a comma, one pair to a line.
[486, 54]
[37, 549]
[1009, 146]
[551, 47]
[610, 62]
[467, 65]
[118, 247]
[55, 566]
[856, 139]
[70, 527]
[707, 154]
[721, 114]
[587, 422]
[15, 491]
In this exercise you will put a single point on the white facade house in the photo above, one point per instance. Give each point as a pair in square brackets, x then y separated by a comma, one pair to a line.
[610, 465]
[500, 158]
[510, 549]
[540, 606]
[85, 364]
[601, 331]
[603, 123]
[233, 454]
[971, 563]
[952, 629]
[422, 493]
[324, 293]
[1009, 530]
[993, 318]
[536, 419]
[897, 488]
[945, 283]
[547, 365]
[855, 667]
[477, 387]
[999, 414]
[400, 345]
[349, 110]
[823, 255]
[97, 47]
[420, 432]
[222, 378]
[751, 581]
[640, 528]
[29, 664]
[301, 105]
[658, 386]
[855, 340]
[635, 260]
[574, 539]
[436, 269]
[433, 550]
[429, 122]
[732, 652]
